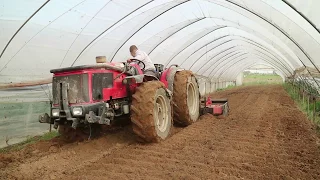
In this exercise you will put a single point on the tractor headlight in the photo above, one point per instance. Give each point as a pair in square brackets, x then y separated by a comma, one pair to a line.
[77, 111]
[55, 112]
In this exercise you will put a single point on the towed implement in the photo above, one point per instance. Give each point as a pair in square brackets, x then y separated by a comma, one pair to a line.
[216, 107]
[87, 97]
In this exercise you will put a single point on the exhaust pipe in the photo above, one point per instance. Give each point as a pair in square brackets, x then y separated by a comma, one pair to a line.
[101, 59]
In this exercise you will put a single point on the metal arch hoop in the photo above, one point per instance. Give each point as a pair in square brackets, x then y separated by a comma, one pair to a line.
[168, 62]
[234, 75]
[262, 58]
[221, 53]
[275, 26]
[214, 40]
[241, 69]
[251, 44]
[123, 43]
[199, 19]
[108, 29]
[234, 53]
[229, 35]
[14, 35]
[273, 64]
[203, 47]
[281, 30]
[235, 63]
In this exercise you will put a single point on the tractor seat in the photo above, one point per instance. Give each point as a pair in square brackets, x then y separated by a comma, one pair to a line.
[134, 71]
[159, 70]
[153, 73]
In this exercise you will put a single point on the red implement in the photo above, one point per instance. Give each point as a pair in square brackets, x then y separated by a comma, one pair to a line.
[216, 106]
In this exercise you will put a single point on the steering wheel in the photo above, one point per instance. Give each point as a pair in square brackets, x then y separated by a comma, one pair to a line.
[137, 60]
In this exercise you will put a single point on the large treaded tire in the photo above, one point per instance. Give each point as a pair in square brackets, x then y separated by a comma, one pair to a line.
[184, 113]
[147, 120]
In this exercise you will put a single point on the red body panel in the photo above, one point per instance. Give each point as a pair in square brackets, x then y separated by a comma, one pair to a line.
[163, 77]
[217, 109]
[118, 90]
[138, 67]
[209, 102]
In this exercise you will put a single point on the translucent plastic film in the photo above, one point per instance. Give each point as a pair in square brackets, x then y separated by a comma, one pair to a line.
[41, 35]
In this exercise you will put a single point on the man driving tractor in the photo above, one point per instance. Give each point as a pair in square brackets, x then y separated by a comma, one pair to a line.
[86, 97]
[143, 57]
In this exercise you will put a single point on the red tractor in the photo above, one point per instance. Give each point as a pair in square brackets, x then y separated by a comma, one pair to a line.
[102, 94]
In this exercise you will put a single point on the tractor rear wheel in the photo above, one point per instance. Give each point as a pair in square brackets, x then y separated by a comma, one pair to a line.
[151, 113]
[186, 98]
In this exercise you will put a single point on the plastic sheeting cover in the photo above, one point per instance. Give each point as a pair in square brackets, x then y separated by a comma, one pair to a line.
[64, 33]
[217, 39]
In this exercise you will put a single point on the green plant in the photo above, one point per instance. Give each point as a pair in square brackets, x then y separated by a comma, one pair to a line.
[30, 140]
[230, 86]
[261, 79]
[49, 135]
[302, 101]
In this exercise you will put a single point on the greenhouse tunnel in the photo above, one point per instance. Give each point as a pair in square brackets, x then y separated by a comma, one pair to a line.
[216, 39]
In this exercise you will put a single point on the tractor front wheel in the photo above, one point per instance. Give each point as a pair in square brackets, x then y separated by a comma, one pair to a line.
[151, 113]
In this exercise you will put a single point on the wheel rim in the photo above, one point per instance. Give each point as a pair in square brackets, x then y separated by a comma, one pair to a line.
[192, 99]
[161, 113]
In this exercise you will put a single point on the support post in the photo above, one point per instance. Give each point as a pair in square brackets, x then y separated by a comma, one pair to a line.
[314, 109]
[50, 127]
[303, 97]
[308, 105]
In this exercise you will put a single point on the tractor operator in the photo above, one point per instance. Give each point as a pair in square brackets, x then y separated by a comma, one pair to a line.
[142, 56]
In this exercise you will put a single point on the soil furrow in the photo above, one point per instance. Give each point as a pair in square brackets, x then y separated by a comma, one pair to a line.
[265, 136]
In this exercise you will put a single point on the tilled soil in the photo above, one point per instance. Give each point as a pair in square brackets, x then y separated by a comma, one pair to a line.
[265, 136]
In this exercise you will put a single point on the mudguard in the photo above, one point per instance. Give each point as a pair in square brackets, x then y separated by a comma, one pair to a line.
[171, 74]
[173, 69]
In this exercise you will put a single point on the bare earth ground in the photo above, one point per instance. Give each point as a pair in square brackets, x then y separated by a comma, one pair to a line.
[264, 137]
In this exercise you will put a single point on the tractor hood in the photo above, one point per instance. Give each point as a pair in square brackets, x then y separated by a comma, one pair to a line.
[108, 66]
